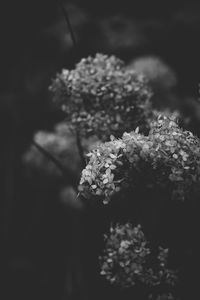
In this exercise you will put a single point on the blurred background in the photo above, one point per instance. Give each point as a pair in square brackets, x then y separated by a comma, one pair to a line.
[40, 227]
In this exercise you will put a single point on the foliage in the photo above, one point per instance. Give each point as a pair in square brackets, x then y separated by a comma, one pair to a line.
[128, 259]
[100, 97]
[167, 158]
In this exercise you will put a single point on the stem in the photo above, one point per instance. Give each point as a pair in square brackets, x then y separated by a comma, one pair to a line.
[80, 149]
[71, 177]
[68, 23]
[78, 140]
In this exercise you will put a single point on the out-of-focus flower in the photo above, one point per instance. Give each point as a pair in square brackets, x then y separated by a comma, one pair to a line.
[159, 74]
[100, 97]
[121, 34]
[61, 143]
[162, 79]
[128, 259]
[167, 158]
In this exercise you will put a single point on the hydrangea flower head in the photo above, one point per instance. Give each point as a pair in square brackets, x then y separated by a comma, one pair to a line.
[168, 158]
[127, 259]
[100, 97]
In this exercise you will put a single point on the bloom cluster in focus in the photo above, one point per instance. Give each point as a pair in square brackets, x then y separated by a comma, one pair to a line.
[168, 158]
[100, 97]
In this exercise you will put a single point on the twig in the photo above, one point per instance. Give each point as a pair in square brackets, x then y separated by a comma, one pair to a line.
[71, 177]
[68, 23]
[78, 140]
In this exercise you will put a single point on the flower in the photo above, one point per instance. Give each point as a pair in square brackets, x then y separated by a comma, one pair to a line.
[168, 158]
[100, 97]
[127, 258]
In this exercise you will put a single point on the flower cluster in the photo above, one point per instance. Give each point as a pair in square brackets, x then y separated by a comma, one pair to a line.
[128, 259]
[100, 97]
[168, 158]
[178, 150]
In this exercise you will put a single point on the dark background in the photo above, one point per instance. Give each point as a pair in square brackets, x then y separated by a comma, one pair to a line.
[37, 233]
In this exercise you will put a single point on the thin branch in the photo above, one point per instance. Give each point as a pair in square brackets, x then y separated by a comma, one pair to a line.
[78, 140]
[68, 23]
[49, 155]
[71, 177]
